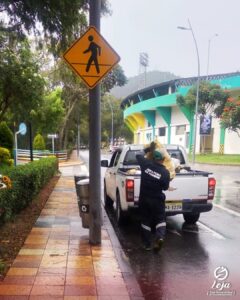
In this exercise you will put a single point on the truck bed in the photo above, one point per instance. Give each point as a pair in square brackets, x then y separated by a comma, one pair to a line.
[195, 187]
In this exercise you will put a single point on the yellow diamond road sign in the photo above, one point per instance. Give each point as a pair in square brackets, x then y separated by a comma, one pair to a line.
[91, 57]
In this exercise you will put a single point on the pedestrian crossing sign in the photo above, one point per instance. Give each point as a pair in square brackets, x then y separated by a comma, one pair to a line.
[91, 57]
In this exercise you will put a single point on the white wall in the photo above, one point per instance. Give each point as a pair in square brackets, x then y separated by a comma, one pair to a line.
[159, 120]
[178, 117]
[161, 123]
[177, 139]
[163, 139]
[232, 143]
[216, 135]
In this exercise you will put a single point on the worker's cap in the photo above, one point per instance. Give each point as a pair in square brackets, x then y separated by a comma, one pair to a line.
[157, 155]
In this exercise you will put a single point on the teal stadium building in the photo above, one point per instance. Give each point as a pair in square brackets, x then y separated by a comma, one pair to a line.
[153, 113]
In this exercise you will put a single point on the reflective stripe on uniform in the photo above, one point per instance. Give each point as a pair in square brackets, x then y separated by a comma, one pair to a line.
[146, 227]
[163, 224]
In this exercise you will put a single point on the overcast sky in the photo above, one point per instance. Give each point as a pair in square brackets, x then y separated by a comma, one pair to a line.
[150, 26]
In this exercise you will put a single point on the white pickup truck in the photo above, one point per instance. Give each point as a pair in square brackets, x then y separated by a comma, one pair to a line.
[191, 192]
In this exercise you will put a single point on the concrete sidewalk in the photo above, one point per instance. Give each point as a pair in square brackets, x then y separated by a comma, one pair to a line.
[57, 262]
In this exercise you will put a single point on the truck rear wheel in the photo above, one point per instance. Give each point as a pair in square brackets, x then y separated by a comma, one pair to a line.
[121, 215]
[107, 200]
[191, 218]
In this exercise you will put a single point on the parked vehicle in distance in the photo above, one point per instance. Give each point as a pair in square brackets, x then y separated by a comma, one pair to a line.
[191, 191]
[112, 148]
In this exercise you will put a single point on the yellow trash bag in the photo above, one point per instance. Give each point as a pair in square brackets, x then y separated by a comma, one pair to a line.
[167, 162]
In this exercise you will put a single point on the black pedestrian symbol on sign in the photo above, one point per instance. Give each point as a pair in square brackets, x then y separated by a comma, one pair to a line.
[95, 52]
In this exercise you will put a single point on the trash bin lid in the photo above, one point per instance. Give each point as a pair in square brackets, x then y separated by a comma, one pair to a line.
[83, 181]
[81, 175]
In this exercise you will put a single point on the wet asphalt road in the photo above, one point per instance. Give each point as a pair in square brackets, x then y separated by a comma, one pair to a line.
[185, 267]
[227, 192]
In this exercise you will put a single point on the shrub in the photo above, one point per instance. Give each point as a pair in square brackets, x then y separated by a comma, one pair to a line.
[27, 181]
[39, 143]
[6, 137]
[5, 157]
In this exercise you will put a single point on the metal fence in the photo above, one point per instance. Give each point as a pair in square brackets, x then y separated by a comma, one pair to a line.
[23, 154]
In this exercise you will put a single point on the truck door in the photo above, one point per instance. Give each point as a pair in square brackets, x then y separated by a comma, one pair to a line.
[111, 173]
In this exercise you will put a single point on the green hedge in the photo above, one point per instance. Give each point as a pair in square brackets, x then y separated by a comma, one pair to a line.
[27, 181]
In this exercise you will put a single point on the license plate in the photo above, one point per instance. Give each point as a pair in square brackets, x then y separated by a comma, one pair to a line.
[171, 206]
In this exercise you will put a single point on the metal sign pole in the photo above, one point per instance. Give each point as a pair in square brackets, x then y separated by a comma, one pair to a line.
[53, 144]
[16, 149]
[30, 141]
[95, 145]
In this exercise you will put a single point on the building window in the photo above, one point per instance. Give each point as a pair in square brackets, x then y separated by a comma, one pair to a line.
[180, 129]
[149, 136]
[161, 131]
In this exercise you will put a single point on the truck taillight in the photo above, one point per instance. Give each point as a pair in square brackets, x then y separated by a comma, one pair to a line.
[129, 190]
[211, 188]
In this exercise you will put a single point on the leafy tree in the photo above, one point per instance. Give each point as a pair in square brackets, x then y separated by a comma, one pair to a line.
[6, 137]
[114, 78]
[111, 111]
[39, 143]
[230, 117]
[49, 19]
[49, 116]
[60, 21]
[21, 86]
[75, 96]
[212, 99]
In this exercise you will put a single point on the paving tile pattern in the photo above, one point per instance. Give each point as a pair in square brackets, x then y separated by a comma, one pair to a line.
[57, 262]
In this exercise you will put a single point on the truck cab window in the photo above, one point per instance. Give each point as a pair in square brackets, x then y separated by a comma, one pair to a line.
[115, 158]
[177, 154]
[130, 158]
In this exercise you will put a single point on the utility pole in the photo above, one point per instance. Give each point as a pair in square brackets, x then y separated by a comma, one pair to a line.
[95, 145]
[103, 58]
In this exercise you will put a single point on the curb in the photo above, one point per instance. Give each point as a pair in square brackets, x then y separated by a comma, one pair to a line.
[123, 262]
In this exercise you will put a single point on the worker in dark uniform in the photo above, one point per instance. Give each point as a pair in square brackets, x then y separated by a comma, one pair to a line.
[154, 179]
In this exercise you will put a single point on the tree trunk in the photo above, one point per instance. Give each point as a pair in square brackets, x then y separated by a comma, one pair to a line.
[62, 131]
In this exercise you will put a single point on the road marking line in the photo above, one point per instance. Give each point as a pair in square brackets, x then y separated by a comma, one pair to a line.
[174, 231]
[227, 209]
[214, 233]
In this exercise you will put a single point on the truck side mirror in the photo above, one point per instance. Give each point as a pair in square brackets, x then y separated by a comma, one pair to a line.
[104, 163]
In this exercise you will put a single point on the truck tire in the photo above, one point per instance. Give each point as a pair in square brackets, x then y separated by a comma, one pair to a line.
[121, 215]
[191, 218]
[107, 200]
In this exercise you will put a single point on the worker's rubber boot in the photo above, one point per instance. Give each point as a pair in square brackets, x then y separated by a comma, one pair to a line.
[158, 245]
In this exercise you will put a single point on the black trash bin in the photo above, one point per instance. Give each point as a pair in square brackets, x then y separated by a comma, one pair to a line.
[77, 178]
[83, 204]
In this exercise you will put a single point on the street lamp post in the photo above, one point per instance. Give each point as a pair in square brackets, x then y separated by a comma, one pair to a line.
[208, 56]
[197, 93]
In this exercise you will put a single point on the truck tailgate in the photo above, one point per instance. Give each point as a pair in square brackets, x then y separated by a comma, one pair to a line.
[188, 187]
[136, 188]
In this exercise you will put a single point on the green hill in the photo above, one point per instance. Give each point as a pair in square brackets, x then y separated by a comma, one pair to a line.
[138, 82]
